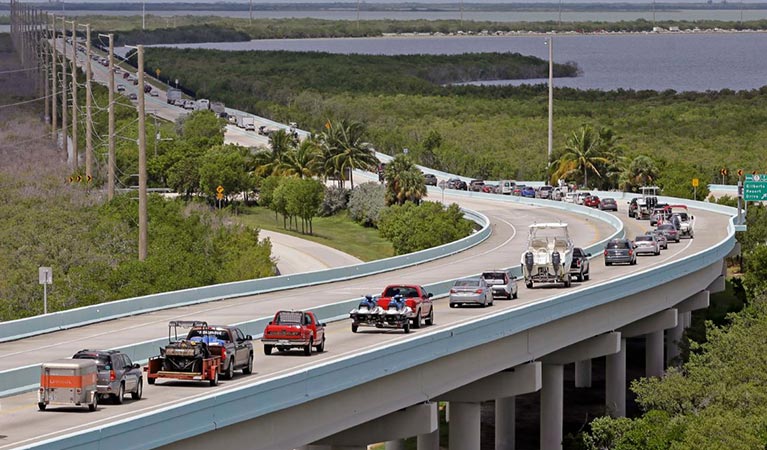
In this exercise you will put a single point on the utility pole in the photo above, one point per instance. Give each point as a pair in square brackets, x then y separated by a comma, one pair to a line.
[142, 176]
[54, 87]
[75, 155]
[46, 70]
[111, 113]
[88, 112]
[64, 119]
[250, 22]
[551, 105]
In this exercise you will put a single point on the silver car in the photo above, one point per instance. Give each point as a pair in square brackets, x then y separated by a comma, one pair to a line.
[501, 284]
[670, 231]
[662, 241]
[471, 291]
[647, 243]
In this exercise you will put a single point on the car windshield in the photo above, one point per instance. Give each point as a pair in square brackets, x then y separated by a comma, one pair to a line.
[608, 200]
[467, 283]
[577, 252]
[618, 244]
[404, 291]
[644, 238]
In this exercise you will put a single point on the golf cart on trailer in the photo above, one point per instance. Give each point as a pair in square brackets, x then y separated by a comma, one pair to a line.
[185, 359]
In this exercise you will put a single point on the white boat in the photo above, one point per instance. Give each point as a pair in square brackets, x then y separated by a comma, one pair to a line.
[549, 254]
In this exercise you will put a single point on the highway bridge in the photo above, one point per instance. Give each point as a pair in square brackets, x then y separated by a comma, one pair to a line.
[376, 386]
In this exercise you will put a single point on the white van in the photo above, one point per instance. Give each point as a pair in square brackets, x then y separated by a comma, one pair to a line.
[506, 187]
[571, 197]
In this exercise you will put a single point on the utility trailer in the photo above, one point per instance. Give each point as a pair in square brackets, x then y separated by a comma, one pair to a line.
[185, 359]
[68, 382]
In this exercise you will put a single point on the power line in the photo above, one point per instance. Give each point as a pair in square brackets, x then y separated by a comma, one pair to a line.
[19, 70]
[25, 102]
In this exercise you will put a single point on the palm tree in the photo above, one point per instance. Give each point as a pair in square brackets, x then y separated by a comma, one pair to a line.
[345, 150]
[267, 162]
[642, 171]
[281, 142]
[303, 161]
[404, 182]
[582, 153]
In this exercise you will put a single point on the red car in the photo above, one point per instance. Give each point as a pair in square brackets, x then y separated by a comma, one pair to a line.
[294, 329]
[591, 201]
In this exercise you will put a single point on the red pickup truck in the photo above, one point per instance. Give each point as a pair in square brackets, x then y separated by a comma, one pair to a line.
[294, 329]
[416, 298]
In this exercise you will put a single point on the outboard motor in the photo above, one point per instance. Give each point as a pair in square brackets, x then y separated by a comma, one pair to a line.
[529, 260]
[556, 260]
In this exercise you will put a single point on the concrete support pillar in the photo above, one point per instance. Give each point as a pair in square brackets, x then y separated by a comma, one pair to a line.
[687, 319]
[464, 425]
[552, 394]
[505, 423]
[428, 441]
[654, 354]
[398, 444]
[583, 373]
[673, 338]
[615, 382]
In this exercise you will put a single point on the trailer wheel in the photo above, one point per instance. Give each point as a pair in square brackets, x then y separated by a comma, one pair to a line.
[151, 380]
[267, 349]
[41, 406]
[355, 327]
[214, 380]
[407, 327]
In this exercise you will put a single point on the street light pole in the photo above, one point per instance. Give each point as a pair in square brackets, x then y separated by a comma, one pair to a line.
[550, 43]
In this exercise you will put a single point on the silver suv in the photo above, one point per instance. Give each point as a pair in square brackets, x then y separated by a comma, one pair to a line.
[117, 374]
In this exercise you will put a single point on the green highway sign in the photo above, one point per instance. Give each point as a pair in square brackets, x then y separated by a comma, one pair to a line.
[755, 188]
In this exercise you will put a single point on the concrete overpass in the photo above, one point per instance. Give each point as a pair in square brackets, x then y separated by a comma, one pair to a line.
[372, 386]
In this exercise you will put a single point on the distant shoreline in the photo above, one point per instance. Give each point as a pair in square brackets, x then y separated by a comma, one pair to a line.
[436, 7]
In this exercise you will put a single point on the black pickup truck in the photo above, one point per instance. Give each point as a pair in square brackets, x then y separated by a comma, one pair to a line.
[580, 265]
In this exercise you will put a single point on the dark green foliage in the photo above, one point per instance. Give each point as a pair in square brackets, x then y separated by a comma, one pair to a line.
[366, 202]
[180, 35]
[249, 79]
[93, 249]
[485, 132]
[412, 227]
